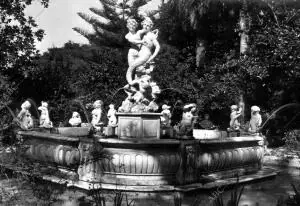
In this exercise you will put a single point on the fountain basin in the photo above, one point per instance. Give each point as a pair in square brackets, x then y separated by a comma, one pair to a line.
[148, 164]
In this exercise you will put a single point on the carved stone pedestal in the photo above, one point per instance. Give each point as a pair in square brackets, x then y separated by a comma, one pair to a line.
[139, 125]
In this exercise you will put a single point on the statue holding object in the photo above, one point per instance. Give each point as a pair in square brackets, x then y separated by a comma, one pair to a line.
[111, 114]
[166, 116]
[255, 121]
[97, 115]
[44, 118]
[24, 118]
[188, 118]
[235, 114]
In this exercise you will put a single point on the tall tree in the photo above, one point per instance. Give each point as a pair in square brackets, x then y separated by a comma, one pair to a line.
[109, 22]
[17, 35]
[196, 18]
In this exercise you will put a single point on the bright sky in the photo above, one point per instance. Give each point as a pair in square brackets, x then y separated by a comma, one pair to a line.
[60, 17]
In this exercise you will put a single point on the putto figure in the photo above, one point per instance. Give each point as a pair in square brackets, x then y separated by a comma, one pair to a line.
[255, 120]
[166, 116]
[188, 118]
[111, 114]
[24, 117]
[44, 118]
[97, 114]
[235, 114]
[75, 121]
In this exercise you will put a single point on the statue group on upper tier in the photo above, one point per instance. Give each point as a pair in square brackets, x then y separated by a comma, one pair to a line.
[235, 122]
[141, 90]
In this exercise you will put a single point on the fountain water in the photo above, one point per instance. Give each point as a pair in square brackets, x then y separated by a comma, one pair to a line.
[280, 109]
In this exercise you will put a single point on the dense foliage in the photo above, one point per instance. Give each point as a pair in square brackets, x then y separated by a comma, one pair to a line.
[17, 35]
[268, 75]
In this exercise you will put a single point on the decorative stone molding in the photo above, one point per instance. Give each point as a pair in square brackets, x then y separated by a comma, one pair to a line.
[62, 155]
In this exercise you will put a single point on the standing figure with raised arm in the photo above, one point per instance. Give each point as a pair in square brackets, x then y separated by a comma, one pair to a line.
[134, 39]
[145, 55]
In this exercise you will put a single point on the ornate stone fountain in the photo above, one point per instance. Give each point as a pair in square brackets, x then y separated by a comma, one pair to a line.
[138, 159]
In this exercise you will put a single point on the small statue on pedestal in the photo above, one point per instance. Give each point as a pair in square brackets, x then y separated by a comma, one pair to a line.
[206, 123]
[166, 116]
[44, 118]
[235, 114]
[111, 114]
[24, 117]
[255, 120]
[97, 115]
[75, 121]
[188, 118]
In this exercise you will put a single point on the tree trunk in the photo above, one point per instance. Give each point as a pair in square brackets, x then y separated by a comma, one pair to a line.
[200, 51]
[244, 28]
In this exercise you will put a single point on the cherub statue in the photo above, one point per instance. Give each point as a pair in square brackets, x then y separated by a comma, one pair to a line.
[24, 117]
[97, 114]
[111, 114]
[234, 123]
[255, 120]
[166, 116]
[187, 121]
[44, 118]
[75, 121]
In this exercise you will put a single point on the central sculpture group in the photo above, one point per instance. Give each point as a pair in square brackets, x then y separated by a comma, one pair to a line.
[142, 92]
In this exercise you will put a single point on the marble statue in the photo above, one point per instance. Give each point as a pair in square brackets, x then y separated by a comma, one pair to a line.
[188, 118]
[141, 90]
[97, 114]
[235, 114]
[44, 118]
[111, 114]
[166, 116]
[134, 38]
[255, 121]
[144, 55]
[24, 117]
[75, 121]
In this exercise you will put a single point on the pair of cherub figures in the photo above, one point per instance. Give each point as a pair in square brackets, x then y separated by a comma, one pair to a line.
[255, 121]
[140, 58]
[97, 112]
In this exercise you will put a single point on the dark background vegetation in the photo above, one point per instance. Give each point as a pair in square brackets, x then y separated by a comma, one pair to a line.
[267, 75]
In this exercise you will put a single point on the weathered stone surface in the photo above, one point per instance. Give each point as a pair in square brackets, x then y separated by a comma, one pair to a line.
[145, 162]
[139, 125]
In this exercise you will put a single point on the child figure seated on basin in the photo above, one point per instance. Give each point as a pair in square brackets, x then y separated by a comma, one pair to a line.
[166, 116]
[97, 115]
[255, 120]
[206, 123]
[75, 121]
[44, 118]
[111, 114]
[188, 119]
[24, 118]
[235, 114]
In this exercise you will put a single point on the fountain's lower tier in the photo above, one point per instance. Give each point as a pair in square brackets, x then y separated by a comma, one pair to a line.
[145, 165]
